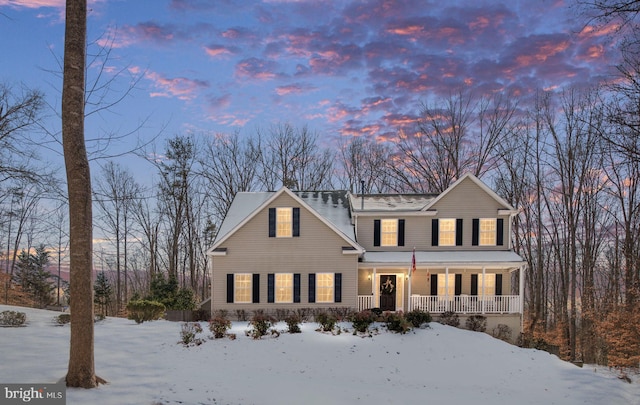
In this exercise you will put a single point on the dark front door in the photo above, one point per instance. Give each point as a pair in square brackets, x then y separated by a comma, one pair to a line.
[388, 293]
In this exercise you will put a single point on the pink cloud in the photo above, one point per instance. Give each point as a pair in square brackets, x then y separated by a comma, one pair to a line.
[255, 68]
[181, 88]
[219, 51]
[295, 88]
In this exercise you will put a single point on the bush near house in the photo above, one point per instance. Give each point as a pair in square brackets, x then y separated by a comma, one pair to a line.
[418, 317]
[477, 323]
[219, 326]
[450, 318]
[361, 320]
[326, 320]
[144, 310]
[12, 318]
[396, 322]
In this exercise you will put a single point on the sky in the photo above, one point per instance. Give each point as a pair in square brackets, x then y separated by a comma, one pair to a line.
[341, 68]
[145, 365]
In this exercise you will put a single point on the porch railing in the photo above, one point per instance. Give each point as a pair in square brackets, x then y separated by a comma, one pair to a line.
[465, 304]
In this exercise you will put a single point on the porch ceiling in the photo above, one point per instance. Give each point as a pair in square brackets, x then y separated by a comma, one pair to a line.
[466, 259]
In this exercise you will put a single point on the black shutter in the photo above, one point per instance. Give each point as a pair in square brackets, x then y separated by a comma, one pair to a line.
[474, 284]
[337, 285]
[256, 288]
[500, 232]
[401, 232]
[458, 284]
[296, 222]
[230, 288]
[272, 222]
[312, 287]
[459, 232]
[376, 232]
[271, 281]
[498, 284]
[475, 237]
[434, 232]
[296, 287]
[434, 284]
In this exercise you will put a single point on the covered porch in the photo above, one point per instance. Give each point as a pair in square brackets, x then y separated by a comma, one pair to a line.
[470, 282]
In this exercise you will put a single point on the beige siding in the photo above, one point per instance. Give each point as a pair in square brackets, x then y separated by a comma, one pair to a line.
[318, 249]
[466, 201]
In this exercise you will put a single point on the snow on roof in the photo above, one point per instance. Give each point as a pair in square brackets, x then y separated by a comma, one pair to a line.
[476, 258]
[390, 202]
[333, 206]
[244, 203]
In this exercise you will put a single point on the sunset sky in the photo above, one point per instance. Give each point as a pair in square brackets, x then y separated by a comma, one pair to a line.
[339, 67]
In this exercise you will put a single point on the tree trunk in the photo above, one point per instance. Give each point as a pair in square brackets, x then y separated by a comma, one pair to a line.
[81, 371]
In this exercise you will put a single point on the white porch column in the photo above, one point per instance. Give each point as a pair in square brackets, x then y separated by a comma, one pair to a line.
[374, 287]
[484, 272]
[521, 296]
[446, 289]
[409, 289]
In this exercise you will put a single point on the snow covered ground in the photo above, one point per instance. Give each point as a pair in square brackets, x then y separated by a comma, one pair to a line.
[145, 365]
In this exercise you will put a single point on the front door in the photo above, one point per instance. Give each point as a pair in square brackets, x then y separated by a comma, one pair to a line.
[388, 292]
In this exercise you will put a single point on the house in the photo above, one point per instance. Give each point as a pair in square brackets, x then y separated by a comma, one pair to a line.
[334, 249]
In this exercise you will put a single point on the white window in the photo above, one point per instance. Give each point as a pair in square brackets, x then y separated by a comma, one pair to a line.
[447, 230]
[446, 286]
[489, 283]
[487, 231]
[284, 222]
[324, 287]
[242, 288]
[389, 232]
[284, 287]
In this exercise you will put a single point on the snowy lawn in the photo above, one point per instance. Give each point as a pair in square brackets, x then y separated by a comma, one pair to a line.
[145, 365]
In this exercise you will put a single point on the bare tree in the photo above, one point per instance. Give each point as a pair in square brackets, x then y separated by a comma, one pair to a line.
[364, 159]
[81, 371]
[455, 136]
[115, 194]
[229, 165]
[292, 158]
[19, 114]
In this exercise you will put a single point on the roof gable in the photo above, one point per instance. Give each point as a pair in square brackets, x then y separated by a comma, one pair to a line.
[246, 206]
[470, 177]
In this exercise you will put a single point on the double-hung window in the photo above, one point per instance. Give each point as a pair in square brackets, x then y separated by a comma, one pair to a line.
[284, 287]
[242, 288]
[447, 232]
[389, 232]
[324, 287]
[284, 222]
[487, 232]
[446, 284]
[488, 282]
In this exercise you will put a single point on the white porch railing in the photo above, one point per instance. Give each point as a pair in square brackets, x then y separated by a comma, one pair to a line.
[465, 304]
[365, 302]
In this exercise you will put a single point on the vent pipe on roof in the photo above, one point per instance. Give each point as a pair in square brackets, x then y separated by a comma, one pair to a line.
[362, 195]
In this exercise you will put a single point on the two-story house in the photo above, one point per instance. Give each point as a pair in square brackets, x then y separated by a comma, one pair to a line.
[326, 249]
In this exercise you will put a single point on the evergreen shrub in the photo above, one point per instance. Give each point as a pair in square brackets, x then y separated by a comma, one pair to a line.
[144, 310]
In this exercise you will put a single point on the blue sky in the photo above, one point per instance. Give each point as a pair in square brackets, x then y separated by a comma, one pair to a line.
[340, 67]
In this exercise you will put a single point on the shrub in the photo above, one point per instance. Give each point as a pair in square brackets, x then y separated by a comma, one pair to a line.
[396, 322]
[502, 332]
[201, 315]
[189, 333]
[361, 320]
[293, 323]
[260, 324]
[341, 313]
[477, 323]
[376, 311]
[12, 318]
[281, 314]
[219, 326]
[450, 318]
[241, 315]
[303, 313]
[62, 319]
[418, 317]
[143, 310]
[327, 321]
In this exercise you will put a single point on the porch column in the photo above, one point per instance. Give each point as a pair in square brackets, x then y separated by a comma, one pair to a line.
[446, 289]
[521, 296]
[484, 271]
[409, 289]
[374, 288]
